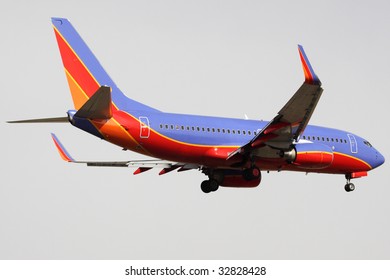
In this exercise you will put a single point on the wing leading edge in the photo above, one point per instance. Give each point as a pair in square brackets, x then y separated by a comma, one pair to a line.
[291, 120]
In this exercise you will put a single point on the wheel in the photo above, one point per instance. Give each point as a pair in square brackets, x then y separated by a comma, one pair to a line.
[213, 185]
[251, 173]
[205, 186]
[209, 186]
[349, 187]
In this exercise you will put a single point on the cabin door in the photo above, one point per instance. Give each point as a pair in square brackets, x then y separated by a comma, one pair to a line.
[144, 127]
[352, 141]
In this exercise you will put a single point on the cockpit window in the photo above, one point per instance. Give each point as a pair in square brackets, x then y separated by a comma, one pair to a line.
[367, 143]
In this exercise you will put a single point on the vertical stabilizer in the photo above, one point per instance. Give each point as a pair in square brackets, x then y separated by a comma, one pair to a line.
[83, 71]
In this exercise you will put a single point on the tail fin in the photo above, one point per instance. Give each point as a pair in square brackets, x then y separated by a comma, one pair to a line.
[83, 71]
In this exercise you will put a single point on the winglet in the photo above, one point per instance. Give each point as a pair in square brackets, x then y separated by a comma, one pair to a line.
[310, 76]
[63, 153]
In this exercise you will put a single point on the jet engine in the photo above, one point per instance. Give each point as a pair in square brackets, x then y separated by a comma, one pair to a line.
[310, 156]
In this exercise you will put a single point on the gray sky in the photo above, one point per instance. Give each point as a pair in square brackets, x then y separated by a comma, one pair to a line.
[221, 58]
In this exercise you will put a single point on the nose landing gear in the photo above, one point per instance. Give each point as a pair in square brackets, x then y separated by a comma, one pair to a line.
[349, 187]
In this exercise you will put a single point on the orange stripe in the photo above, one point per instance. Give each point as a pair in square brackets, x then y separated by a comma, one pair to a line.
[78, 95]
[73, 62]
[61, 152]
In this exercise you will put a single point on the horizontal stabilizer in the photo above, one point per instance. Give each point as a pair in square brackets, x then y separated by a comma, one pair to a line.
[98, 106]
[46, 120]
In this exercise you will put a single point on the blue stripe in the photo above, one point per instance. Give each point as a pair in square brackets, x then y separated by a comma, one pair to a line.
[313, 74]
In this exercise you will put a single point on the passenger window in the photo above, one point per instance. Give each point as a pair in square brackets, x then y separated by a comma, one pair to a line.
[223, 130]
[166, 126]
[249, 132]
[228, 131]
[203, 129]
[161, 126]
[213, 129]
[197, 128]
[218, 130]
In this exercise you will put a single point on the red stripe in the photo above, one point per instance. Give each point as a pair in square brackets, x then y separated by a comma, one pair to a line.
[308, 75]
[75, 67]
[62, 153]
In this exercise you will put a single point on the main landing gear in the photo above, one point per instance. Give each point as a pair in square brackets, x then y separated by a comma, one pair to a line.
[251, 173]
[210, 185]
[249, 177]
[349, 187]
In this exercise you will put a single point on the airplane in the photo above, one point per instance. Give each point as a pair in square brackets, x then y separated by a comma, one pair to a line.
[230, 152]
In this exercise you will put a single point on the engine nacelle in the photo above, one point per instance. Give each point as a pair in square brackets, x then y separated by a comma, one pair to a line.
[234, 178]
[312, 156]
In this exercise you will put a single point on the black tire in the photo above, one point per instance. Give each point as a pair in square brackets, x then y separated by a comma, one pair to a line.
[205, 186]
[349, 187]
[213, 185]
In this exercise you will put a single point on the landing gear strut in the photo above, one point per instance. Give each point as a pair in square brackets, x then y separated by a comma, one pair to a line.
[349, 187]
[209, 186]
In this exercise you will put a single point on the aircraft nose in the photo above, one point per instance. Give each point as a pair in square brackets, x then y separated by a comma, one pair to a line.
[380, 159]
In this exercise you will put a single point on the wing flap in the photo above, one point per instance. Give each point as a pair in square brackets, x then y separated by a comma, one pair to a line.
[299, 109]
